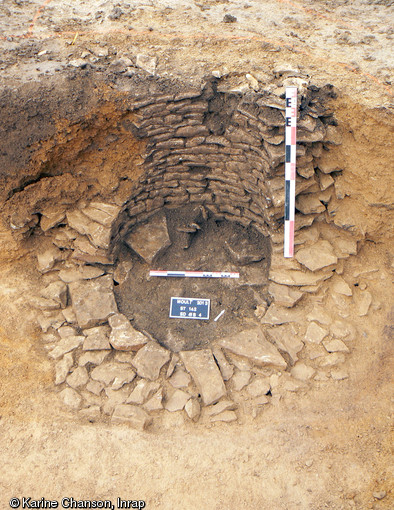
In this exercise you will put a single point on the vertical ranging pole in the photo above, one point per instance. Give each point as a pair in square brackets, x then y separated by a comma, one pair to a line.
[290, 168]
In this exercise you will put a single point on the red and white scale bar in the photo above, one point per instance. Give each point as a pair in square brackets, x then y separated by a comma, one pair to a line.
[290, 168]
[195, 274]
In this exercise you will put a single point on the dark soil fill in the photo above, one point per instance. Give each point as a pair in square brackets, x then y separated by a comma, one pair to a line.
[216, 245]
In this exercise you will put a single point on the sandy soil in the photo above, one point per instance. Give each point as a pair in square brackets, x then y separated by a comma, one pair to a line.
[327, 447]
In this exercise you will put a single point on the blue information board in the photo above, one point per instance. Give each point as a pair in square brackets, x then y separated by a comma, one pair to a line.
[189, 308]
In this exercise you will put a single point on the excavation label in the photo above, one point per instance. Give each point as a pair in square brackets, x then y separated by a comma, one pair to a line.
[189, 308]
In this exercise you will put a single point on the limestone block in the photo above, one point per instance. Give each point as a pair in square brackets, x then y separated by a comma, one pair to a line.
[317, 256]
[226, 369]
[66, 345]
[79, 377]
[110, 371]
[309, 203]
[93, 301]
[252, 344]
[286, 340]
[205, 373]
[131, 415]
[142, 392]
[156, 402]
[177, 401]
[102, 213]
[78, 273]
[193, 409]
[220, 407]
[149, 239]
[97, 233]
[123, 336]
[96, 339]
[47, 259]
[315, 333]
[240, 379]
[56, 291]
[258, 387]
[150, 359]
[62, 368]
[50, 219]
[92, 357]
[335, 345]
[71, 398]
[180, 379]
[226, 416]
[284, 295]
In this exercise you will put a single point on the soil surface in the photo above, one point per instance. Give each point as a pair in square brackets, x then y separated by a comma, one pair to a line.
[329, 446]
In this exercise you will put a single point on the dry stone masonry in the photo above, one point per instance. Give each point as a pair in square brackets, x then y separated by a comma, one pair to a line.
[223, 152]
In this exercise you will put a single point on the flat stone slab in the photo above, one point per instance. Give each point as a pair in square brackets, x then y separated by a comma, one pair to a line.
[93, 301]
[317, 256]
[149, 239]
[66, 345]
[97, 233]
[96, 339]
[177, 401]
[132, 415]
[142, 392]
[123, 336]
[205, 373]
[111, 372]
[150, 359]
[252, 344]
[284, 295]
[286, 340]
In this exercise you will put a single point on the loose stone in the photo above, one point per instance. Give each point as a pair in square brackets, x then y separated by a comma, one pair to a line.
[180, 379]
[96, 339]
[92, 357]
[150, 359]
[335, 346]
[302, 372]
[226, 369]
[65, 331]
[177, 401]
[78, 378]
[91, 413]
[62, 368]
[338, 374]
[48, 258]
[317, 256]
[66, 345]
[80, 273]
[108, 372]
[286, 340]
[71, 398]
[284, 295]
[315, 333]
[132, 415]
[149, 239]
[203, 369]
[93, 301]
[253, 345]
[193, 409]
[123, 336]
[156, 402]
[240, 379]
[142, 392]
[95, 387]
[56, 291]
[226, 416]
[259, 387]
[220, 407]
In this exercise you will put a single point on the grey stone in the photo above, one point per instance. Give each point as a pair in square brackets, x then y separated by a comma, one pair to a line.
[142, 392]
[156, 402]
[177, 401]
[335, 346]
[97, 233]
[91, 413]
[79, 377]
[62, 368]
[258, 387]
[92, 357]
[302, 372]
[341, 287]
[241, 252]
[122, 271]
[149, 239]
[66, 345]
[286, 340]
[240, 379]
[336, 358]
[339, 374]
[71, 398]
[309, 203]
[363, 302]
[93, 301]
[96, 339]
[132, 415]
[315, 333]
[65, 331]
[76, 274]
[56, 291]
[51, 219]
[280, 315]
[95, 387]
[180, 379]
[123, 336]
[44, 303]
[146, 63]
[205, 373]
[253, 345]
[225, 416]
[283, 295]
[150, 359]
[111, 372]
[114, 397]
[193, 409]
[317, 256]
[226, 369]
[48, 258]
[102, 213]
[220, 407]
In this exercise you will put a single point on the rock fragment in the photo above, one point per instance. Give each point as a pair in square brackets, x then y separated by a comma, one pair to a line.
[205, 373]
[252, 344]
[132, 415]
[78, 378]
[62, 368]
[315, 333]
[149, 239]
[93, 301]
[48, 258]
[226, 369]
[123, 336]
[317, 256]
[150, 359]
[66, 345]
[96, 339]
[156, 402]
[335, 346]
[177, 401]
[286, 340]
[258, 387]
[226, 416]
[142, 392]
[146, 63]
[220, 407]
[193, 409]
[71, 398]
[241, 379]
[284, 295]
[110, 371]
[302, 372]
